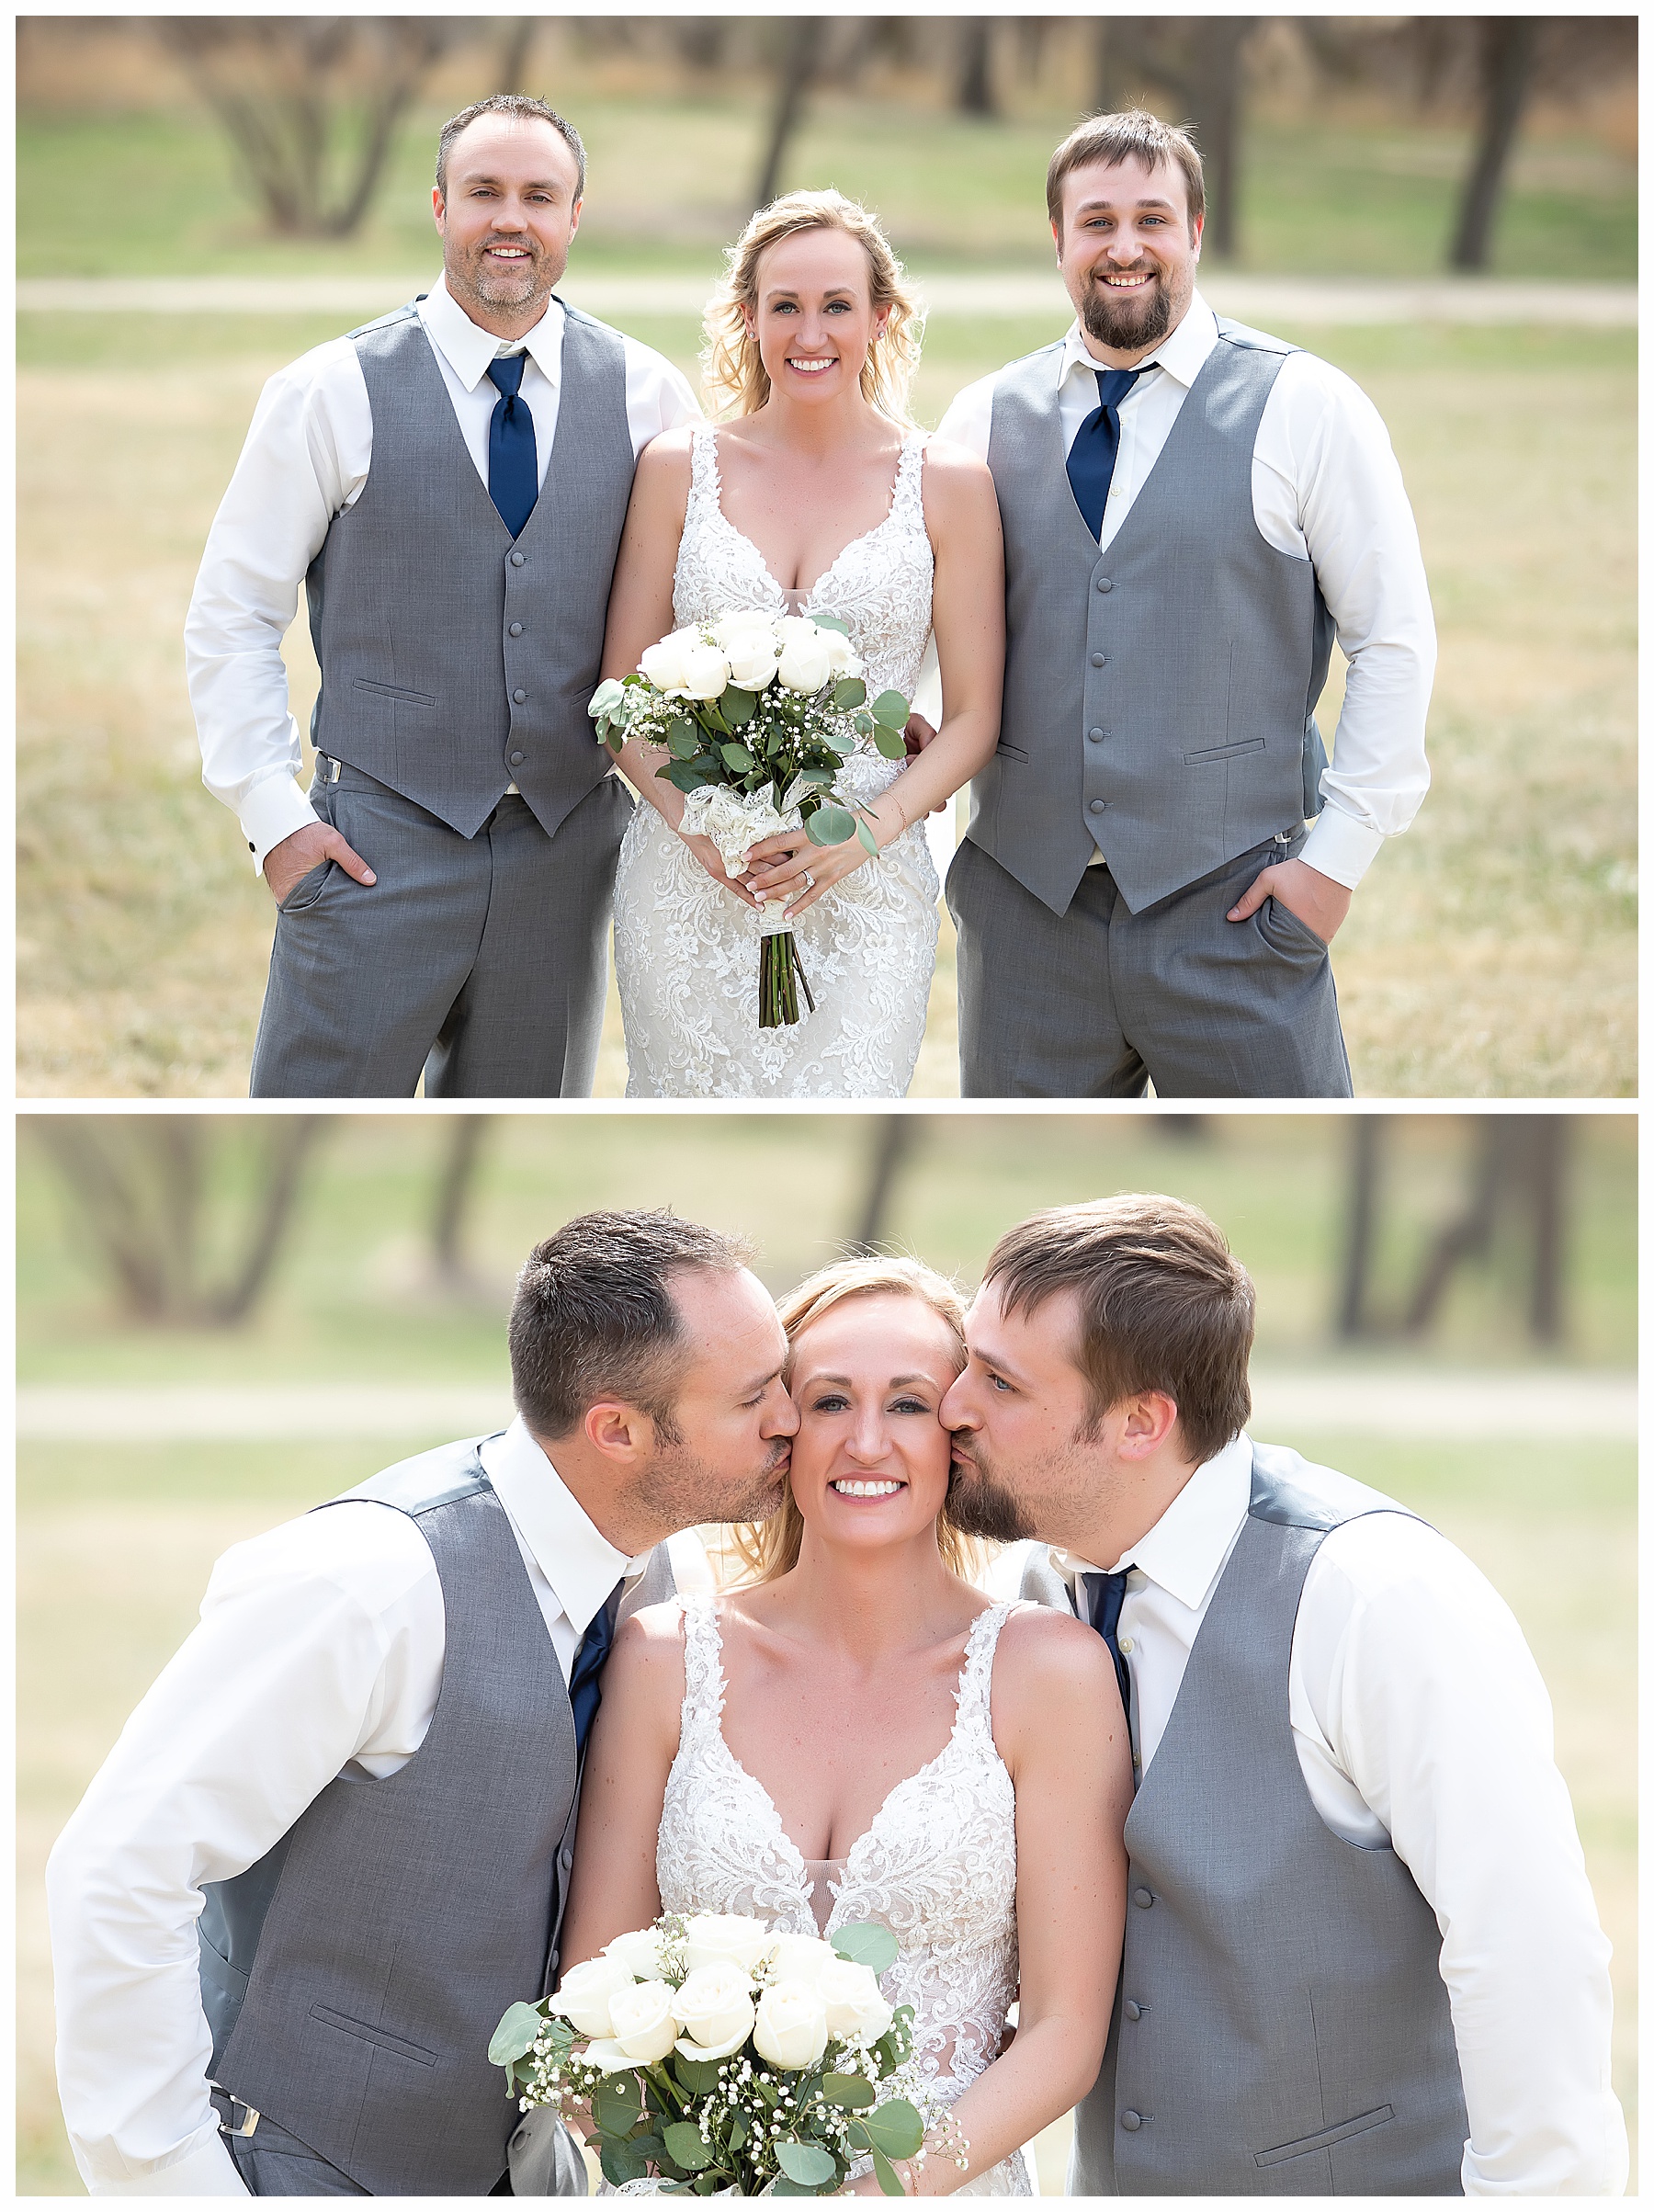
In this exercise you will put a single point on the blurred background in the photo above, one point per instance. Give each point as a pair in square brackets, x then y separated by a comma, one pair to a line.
[223, 1320]
[1443, 205]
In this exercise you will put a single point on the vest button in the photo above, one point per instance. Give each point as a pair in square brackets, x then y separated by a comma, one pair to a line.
[565, 1859]
[518, 759]
[516, 561]
[1131, 2121]
[1105, 584]
[519, 695]
[1141, 1897]
[1097, 806]
[1099, 660]
[1096, 736]
[516, 629]
[1132, 2009]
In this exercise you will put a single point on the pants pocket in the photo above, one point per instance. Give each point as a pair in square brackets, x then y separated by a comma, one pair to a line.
[308, 889]
[1284, 931]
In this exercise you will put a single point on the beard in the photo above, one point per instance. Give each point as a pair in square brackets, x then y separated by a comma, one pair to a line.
[470, 278]
[1125, 325]
[981, 1505]
[683, 1489]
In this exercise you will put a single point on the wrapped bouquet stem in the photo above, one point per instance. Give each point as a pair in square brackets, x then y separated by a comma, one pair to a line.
[757, 715]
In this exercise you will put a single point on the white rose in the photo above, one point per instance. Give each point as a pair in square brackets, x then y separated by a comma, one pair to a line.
[638, 1951]
[850, 1994]
[744, 622]
[753, 659]
[714, 2008]
[583, 1995]
[603, 2051]
[800, 1958]
[663, 663]
[841, 658]
[705, 672]
[643, 2022]
[791, 2029]
[805, 665]
[709, 1938]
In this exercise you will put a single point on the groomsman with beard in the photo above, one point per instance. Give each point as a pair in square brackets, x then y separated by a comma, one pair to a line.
[450, 485]
[1362, 1956]
[1193, 513]
[333, 1844]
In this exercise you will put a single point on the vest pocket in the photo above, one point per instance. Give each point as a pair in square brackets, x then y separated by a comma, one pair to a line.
[364, 2034]
[395, 691]
[1004, 752]
[1245, 744]
[1359, 2126]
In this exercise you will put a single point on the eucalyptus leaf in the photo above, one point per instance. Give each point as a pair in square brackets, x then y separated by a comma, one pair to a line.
[841, 742]
[683, 2139]
[648, 2147]
[895, 2128]
[781, 2186]
[622, 2162]
[832, 622]
[890, 742]
[806, 2163]
[868, 1943]
[686, 777]
[615, 742]
[856, 2136]
[889, 2180]
[850, 2092]
[866, 839]
[613, 2109]
[737, 706]
[517, 2033]
[831, 825]
[683, 740]
[694, 2075]
[739, 758]
[890, 708]
[849, 691]
[738, 2131]
[706, 2184]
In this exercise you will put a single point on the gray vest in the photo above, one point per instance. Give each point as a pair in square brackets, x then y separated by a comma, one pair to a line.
[353, 1977]
[455, 662]
[1159, 696]
[1281, 2026]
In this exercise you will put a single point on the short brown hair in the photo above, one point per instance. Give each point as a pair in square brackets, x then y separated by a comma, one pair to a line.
[770, 1548]
[594, 1316]
[523, 110]
[1132, 135]
[1163, 1305]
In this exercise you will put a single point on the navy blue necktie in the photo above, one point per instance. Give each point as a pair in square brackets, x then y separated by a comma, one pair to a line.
[513, 463]
[1091, 461]
[1107, 1593]
[585, 1685]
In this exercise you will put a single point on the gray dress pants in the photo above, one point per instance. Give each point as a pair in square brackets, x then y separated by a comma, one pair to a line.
[272, 2161]
[1099, 1001]
[484, 961]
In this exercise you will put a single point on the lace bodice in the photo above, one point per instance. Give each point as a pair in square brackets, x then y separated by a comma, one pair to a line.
[937, 1866]
[686, 953]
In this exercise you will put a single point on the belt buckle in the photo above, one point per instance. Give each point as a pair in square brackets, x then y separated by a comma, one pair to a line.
[247, 2126]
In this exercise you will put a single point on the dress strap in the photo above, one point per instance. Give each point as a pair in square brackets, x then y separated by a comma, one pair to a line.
[909, 499]
[703, 1665]
[973, 1697]
[703, 466]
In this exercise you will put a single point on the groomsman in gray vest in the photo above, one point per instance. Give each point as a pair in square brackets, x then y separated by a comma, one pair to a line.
[1362, 1956]
[448, 485]
[295, 1902]
[1193, 513]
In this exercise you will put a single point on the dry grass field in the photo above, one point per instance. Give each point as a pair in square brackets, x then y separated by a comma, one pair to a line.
[1490, 952]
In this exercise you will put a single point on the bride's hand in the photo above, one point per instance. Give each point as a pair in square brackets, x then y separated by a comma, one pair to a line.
[789, 866]
[711, 859]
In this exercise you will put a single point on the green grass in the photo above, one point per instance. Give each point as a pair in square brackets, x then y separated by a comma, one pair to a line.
[155, 193]
[352, 1297]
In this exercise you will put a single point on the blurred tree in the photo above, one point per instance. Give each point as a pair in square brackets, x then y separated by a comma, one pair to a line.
[894, 1140]
[703, 42]
[512, 74]
[456, 1191]
[799, 57]
[1508, 44]
[186, 1211]
[974, 91]
[1200, 61]
[310, 103]
[1515, 1173]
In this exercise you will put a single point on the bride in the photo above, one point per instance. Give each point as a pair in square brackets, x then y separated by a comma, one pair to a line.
[816, 496]
[857, 1733]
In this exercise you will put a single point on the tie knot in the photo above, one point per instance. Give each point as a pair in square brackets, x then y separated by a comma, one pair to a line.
[1113, 384]
[506, 372]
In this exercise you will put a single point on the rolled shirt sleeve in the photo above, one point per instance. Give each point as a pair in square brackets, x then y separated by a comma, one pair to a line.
[1419, 1682]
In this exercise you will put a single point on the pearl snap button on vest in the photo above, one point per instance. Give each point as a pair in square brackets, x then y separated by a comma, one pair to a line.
[520, 695]
[516, 561]
[1142, 1897]
[516, 629]
[1131, 2121]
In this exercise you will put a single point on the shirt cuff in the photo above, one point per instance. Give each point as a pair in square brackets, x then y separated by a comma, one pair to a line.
[203, 2168]
[271, 810]
[1341, 848]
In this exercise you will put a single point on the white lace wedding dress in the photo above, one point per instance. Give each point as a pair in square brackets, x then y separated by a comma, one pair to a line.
[687, 952]
[937, 1866]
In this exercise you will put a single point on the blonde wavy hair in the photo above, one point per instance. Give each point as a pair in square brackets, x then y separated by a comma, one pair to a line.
[770, 1548]
[735, 379]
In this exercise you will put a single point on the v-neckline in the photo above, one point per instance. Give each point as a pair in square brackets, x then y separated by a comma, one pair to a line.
[843, 1859]
[769, 574]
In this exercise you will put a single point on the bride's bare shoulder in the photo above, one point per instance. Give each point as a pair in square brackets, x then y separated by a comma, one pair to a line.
[959, 490]
[647, 1662]
[1046, 1653]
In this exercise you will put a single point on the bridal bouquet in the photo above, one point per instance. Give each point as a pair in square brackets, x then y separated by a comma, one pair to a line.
[757, 713]
[714, 2055]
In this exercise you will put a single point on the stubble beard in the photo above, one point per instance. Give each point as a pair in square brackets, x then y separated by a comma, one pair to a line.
[473, 284]
[682, 1490]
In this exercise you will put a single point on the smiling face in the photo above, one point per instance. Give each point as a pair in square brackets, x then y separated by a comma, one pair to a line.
[1127, 250]
[870, 1460]
[733, 1418]
[814, 320]
[506, 221]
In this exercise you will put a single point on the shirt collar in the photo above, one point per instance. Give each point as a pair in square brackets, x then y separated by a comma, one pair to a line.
[468, 350]
[1185, 1551]
[574, 1555]
[1183, 355]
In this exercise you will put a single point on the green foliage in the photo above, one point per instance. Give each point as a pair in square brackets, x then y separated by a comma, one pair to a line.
[867, 1943]
[890, 709]
[807, 2163]
[683, 2139]
[828, 826]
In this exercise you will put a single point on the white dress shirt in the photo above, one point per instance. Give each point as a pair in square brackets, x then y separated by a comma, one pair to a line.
[1420, 1721]
[1326, 488]
[319, 1652]
[305, 461]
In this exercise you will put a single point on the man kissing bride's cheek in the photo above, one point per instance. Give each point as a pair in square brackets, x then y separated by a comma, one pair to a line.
[1227, 1773]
